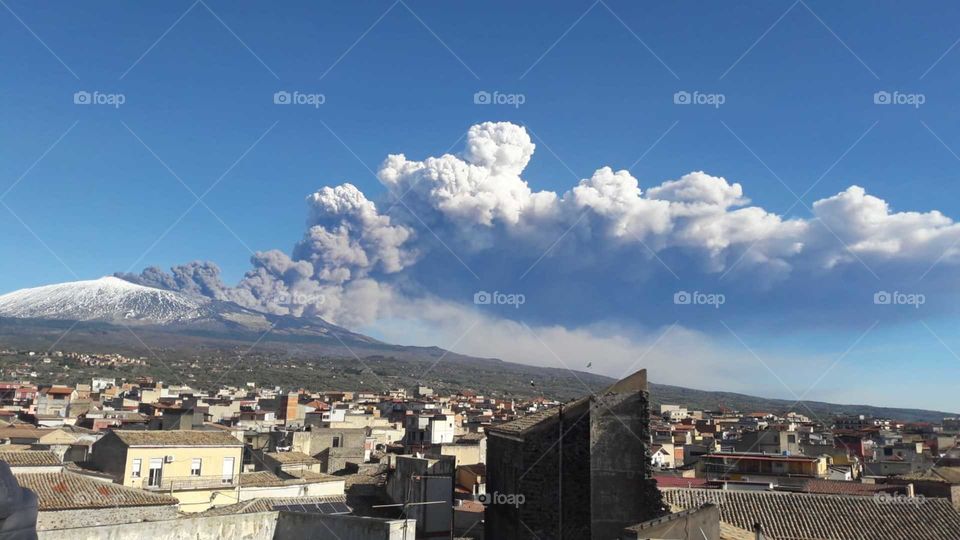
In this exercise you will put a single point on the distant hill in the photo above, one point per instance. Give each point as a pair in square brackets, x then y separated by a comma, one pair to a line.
[703, 399]
[195, 333]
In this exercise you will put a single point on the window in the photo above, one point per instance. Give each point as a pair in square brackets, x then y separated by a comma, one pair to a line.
[791, 439]
[336, 442]
[227, 476]
[195, 466]
[156, 472]
[135, 473]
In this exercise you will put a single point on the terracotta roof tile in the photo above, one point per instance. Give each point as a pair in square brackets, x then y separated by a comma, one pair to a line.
[293, 458]
[260, 479]
[29, 458]
[177, 438]
[840, 487]
[64, 491]
[833, 517]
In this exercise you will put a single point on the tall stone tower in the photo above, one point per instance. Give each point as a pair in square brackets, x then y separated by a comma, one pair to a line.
[581, 470]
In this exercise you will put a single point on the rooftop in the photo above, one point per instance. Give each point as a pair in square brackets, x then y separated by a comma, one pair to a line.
[801, 515]
[840, 487]
[312, 476]
[65, 491]
[293, 458]
[757, 456]
[526, 423]
[267, 504]
[260, 479]
[950, 475]
[636, 382]
[176, 438]
[29, 458]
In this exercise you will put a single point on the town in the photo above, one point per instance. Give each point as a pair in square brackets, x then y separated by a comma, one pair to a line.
[110, 456]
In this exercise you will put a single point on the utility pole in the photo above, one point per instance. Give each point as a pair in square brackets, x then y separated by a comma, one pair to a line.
[560, 490]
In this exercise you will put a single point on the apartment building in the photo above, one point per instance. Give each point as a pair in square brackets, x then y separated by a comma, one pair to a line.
[199, 468]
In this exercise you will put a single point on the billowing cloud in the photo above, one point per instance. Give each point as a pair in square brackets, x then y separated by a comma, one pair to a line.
[606, 249]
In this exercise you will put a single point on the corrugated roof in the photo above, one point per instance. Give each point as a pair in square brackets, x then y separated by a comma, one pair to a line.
[826, 517]
[177, 438]
[65, 491]
[266, 504]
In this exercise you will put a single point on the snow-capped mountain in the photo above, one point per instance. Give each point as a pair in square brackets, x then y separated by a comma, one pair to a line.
[110, 313]
[104, 299]
[99, 305]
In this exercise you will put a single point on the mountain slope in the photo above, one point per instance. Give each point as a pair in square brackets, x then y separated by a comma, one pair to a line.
[105, 299]
[113, 315]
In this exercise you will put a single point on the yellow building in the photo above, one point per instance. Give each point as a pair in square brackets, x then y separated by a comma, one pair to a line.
[200, 468]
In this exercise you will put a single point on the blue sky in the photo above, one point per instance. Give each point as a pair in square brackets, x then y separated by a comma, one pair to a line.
[598, 82]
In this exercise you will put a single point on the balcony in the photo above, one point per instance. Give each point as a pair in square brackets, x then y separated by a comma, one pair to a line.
[183, 483]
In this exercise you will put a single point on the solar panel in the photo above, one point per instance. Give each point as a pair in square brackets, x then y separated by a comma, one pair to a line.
[325, 508]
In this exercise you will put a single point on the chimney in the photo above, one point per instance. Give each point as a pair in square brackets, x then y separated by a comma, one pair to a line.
[910, 492]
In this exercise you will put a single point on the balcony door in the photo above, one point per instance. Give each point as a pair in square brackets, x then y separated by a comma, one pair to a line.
[228, 463]
[156, 472]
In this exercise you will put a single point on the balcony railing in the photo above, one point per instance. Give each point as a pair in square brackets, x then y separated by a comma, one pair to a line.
[176, 483]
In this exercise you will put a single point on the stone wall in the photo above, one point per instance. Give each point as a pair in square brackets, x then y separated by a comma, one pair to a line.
[258, 526]
[334, 460]
[591, 484]
[623, 492]
[306, 526]
[103, 516]
[555, 498]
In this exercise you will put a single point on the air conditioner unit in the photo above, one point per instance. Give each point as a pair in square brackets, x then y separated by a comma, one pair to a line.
[168, 459]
